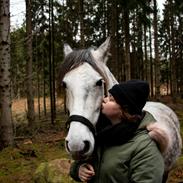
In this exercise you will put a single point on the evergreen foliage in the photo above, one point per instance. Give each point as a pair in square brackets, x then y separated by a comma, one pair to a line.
[84, 23]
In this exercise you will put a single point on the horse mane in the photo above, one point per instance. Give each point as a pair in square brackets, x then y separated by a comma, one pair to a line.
[75, 59]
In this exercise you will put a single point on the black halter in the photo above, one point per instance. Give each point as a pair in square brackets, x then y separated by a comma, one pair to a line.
[82, 120]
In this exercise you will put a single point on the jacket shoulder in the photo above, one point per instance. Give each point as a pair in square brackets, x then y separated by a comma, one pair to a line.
[148, 118]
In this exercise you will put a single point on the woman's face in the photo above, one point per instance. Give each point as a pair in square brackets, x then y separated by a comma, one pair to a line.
[111, 109]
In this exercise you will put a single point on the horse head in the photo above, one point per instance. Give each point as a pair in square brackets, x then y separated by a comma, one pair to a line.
[86, 79]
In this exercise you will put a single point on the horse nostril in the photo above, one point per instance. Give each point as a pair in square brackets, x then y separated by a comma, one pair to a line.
[87, 146]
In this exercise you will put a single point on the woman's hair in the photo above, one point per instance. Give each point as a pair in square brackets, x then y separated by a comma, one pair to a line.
[126, 116]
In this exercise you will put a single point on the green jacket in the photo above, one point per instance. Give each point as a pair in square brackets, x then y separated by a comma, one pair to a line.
[136, 161]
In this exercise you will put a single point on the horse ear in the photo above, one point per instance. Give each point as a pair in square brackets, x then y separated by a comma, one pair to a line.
[103, 50]
[67, 49]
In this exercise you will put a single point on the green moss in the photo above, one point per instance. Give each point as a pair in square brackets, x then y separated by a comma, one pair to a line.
[39, 176]
[20, 163]
[51, 172]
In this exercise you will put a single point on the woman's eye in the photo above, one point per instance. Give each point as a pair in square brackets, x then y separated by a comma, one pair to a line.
[111, 98]
[99, 82]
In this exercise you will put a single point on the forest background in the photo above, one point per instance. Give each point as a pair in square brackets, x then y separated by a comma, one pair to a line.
[145, 45]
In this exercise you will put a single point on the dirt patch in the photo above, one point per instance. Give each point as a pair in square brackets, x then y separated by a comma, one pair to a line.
[19, 106]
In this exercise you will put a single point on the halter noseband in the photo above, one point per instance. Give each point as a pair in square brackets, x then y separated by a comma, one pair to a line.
[82, 120]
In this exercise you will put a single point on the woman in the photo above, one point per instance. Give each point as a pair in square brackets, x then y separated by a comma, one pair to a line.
[124, 151]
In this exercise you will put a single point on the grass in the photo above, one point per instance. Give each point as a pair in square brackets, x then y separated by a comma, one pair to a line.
[19, 163]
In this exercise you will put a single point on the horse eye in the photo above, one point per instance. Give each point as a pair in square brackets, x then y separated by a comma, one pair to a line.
[99, 82]
[64, 84]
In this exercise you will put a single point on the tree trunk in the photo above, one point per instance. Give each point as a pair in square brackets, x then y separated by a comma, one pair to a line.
[44, 55]
[145, 55]
[173, 59]
[104, 18]
[51, 63]
[127, 45]
[180, 55]
[139, 48]
[81, 20]
[114, 45]
[156, 47]
[151, 78]
[38, 76]
[29, 84]
[6, 127]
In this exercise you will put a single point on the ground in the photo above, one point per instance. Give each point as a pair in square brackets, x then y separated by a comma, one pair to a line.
[46, 143]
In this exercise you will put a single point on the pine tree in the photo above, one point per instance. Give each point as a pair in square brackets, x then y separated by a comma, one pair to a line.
[6, 127]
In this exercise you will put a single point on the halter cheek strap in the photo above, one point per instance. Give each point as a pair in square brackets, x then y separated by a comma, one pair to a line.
[83, 120]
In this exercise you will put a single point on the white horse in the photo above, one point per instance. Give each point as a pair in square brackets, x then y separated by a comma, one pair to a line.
[86, 78]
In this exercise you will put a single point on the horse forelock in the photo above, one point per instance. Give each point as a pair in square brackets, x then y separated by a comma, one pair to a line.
[74, 60]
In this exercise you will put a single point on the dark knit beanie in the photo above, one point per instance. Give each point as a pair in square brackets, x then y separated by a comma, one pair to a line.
[131, 95]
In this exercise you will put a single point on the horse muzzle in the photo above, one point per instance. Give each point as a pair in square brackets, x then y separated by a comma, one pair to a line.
[78, 155]
[79, 148]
